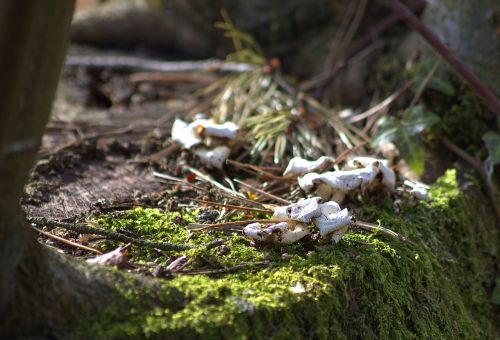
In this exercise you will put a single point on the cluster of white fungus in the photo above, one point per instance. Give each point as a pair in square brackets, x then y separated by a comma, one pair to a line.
[294, 220]
[359, 174]
[207, 139]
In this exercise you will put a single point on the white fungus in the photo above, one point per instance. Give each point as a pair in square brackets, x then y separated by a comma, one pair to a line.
[196, 136]
[300, 166]
[302, 211]
[281, 233]
[183, 133]
[418, 190]
[331, 221]
[334, 185]
[207, 127]
[388, 175]
[214, 158]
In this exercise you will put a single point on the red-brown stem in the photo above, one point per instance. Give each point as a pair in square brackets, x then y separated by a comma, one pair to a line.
[432, 39]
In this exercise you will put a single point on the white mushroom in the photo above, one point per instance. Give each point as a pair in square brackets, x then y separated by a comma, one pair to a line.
[214, 158]
[183, 133]
[207, 127]
[192, 134]
[280, 233]
[300, 166]
[117, 257]
[338, 183]
[302, 211]
[332, 221]
[388, 175]
[418, 190]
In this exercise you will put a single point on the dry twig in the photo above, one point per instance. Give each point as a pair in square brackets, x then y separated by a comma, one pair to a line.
[65, 241]
[86, 229]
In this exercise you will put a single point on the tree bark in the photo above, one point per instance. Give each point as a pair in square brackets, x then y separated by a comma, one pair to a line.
[33, 40]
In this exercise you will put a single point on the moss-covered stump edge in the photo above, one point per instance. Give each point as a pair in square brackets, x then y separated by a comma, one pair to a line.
[366, 286]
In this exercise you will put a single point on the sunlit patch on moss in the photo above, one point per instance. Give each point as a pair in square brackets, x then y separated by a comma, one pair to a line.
[366, 286]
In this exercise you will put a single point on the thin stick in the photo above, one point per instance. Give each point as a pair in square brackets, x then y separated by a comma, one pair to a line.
[212, 181]
[221, 270]
[256, 169]
[380, 106]
[382, 230]
[202, 227]
[481, 90]
[144, 64]
[65, 241]
[172, 78]
[262, 192]
[241, 199]
[86, 229]
[424, 84]
[179, 180]
[233, 207]
[343, 155]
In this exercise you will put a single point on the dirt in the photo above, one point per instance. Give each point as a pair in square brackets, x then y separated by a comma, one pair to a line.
[93, 157]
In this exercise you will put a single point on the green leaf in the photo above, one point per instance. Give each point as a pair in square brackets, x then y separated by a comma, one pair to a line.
[442, 85]
[418, 119]
[412, 151]
[387, 132]
[492, 141]
[405, 135]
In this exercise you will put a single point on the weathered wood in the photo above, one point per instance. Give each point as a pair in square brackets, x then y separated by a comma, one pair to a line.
[33, 38]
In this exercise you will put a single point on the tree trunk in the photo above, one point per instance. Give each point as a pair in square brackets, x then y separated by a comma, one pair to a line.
[33, 39]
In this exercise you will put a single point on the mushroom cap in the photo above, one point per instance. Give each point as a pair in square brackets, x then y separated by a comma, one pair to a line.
[330, 222]
[183, 133]
[214, 158]
[300, 166]
[302, 211]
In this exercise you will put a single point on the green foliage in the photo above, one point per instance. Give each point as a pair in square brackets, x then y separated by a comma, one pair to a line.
[440, 81]
[465, 122]
[405, 132]
[367, 286]
[247, 50]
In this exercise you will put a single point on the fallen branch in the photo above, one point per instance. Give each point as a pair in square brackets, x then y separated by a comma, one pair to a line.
[144, 64]
[169, 78]
[221, 270]
[205, 227]
[86, 229]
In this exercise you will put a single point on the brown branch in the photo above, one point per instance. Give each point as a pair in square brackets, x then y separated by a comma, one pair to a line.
[481, 90]
[65, 241]
[222, 270]
[233, 207]
[85, 229]
[204, 227]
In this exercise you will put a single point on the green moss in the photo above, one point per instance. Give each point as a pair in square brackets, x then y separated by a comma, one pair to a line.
[366, 286]
[466, 121]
